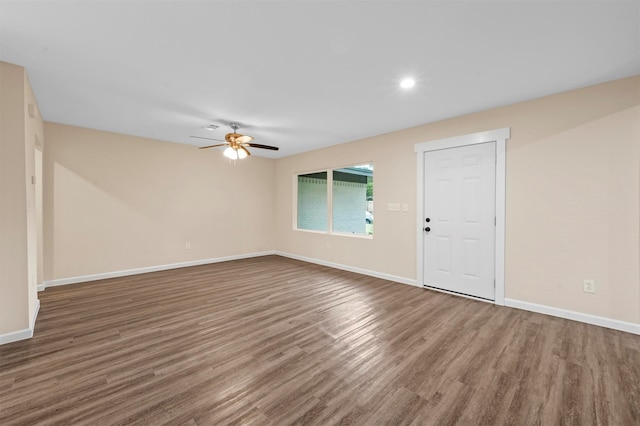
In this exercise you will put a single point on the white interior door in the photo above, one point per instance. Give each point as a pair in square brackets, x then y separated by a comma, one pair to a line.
[459, 226]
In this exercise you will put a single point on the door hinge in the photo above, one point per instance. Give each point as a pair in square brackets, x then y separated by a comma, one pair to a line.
[495, 221]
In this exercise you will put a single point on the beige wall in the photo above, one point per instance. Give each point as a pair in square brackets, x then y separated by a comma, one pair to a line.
[573, 199]
[116, 202]
[34, 143]
[20, 123]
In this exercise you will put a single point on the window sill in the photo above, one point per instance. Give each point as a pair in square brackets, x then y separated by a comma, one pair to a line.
[337, 234]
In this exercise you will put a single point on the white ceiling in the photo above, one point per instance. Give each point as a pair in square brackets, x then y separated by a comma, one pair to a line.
[304, 74]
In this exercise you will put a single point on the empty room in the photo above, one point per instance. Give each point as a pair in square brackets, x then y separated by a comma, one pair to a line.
[319, 213]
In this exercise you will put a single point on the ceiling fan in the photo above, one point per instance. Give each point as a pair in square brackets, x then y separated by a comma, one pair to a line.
[236, 144]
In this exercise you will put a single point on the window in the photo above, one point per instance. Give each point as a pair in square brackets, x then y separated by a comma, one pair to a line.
[350, 202]
[312, 201]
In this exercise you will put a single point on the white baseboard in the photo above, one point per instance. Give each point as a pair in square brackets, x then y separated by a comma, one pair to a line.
[32, 323]
[124, 273]
[368, 272]
[628, 327]
[26, 333]
[14, 336]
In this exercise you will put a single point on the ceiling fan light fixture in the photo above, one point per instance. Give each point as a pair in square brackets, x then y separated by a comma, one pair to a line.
[235, 153]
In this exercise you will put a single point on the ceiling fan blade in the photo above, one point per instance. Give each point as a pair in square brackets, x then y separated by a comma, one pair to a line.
[244, 149]
[211, 139]
[212, 146]
[257, 145]
[244, 139]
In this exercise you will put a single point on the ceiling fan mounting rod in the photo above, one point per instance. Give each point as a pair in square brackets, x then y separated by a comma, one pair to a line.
[234, 126]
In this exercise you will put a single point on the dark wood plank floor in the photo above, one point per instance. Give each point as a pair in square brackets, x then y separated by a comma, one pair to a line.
[275, 341]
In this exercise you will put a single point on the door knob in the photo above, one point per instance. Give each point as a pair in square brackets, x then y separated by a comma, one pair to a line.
[427, 229]
[428, 220]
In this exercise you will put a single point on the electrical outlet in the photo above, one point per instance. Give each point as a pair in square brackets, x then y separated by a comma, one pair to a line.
[187, 246]
[589, 286]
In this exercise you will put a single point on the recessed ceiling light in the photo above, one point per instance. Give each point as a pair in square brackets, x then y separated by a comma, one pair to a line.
[407, 83]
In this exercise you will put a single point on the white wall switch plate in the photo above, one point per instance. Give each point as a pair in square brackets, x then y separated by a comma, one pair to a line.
[393, 207]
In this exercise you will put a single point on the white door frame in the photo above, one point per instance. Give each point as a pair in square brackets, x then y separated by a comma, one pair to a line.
[499, 136]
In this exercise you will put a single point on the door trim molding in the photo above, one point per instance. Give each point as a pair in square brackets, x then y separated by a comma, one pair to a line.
[499, 136]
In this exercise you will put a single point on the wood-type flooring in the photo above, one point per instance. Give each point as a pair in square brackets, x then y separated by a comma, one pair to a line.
[275, 341]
